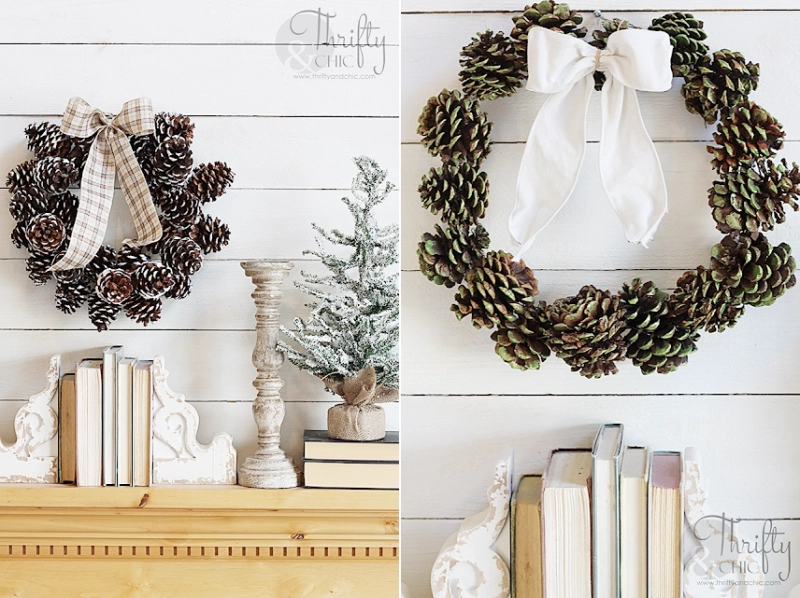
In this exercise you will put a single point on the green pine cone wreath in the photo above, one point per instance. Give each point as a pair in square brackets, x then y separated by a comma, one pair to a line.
[596, 329]
[127, 280]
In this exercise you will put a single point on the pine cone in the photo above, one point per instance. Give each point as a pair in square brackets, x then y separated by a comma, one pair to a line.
[496, 292]
[37, 265]
[459, 190]
[589, 331]
[752, 197]
[71, 294]
[182, 255]
[556, 17]
[102, 313]
[144, 148]
[704, 303]
[172, 161]
[491, 67]
[210, 181]
[446, 256]
[747, 133]
[130, 258]
[210, 234]
[45, 233]
[152, 280]
[454, 128]
[601, 41]
[179, 207]
[114, 286]
[55, 175]
[173, 125]
[21, 178]
[659, 342]
[522, 344]
[27, 203]
[18, 236]
[181, 287]
[46, 140]
[686, 36]
[143, 310]
[719, 84]
[105, 258]
[65, 206]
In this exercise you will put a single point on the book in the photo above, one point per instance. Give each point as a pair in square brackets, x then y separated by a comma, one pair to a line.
[352, 474]
[665, 525]
[66, 430]
[526, 538]
[606, 453]
[566, 525]
[124, 432]
[111, 357]
[88, 422]
[319, 447]
[633, 523]
[142, 410]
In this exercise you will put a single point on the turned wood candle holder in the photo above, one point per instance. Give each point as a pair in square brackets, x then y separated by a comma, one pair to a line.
[269, 467]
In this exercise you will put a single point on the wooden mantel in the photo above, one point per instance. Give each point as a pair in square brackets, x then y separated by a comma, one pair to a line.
[221, 542]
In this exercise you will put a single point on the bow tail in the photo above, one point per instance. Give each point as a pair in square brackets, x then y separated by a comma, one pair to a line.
[97, 191]
[629, 165]
[136, 192]
[551, 162]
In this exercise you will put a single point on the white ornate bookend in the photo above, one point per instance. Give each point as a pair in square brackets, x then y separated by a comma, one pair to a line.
[269, 467]
[710, 572]
[467, 565]
[177, 456]
[33, 458]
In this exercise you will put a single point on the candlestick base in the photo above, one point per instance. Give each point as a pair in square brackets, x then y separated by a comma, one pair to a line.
[273, 471]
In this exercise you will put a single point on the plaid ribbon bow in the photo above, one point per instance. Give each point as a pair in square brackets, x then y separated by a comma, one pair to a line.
[110, 151]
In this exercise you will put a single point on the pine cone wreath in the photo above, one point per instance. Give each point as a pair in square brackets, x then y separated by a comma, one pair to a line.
[21, 177]
[753, 197]
[210, 234]
[143, 310]
[210, 181]
[101, 312]
[458, 190]
[687, 37]
[172, 161]
[179, 207]
[747, 133]
[444, 257]
[454, 128]
[496, 292]
[114, 286]
[589, 331]
[491, 67]
[37, 266]
[659, 341]
[55, 175]
[173, 125]
[45, 233]
[704, 303]
[717, 84]
[522, 344]
[182, 255]
[152, 280]
[556, 17]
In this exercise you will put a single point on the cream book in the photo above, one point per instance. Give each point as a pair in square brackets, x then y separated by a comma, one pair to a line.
[526, 538]
[66, 430]
[566, 529]
[317, 446]
[665, 525]
[142, 410]
[111, 357]
[352, 474]
[124, 411]
[88, 422]
[606, 454]
[633, 523]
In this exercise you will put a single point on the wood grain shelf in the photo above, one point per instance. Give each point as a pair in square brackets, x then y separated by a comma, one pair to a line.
[198, 541]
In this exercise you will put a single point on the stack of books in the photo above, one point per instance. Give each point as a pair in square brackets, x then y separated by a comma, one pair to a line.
[104, 412]
[352, 465]
[604, 522]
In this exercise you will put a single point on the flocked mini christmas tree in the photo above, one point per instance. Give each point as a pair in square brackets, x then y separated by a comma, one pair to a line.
[350, 338]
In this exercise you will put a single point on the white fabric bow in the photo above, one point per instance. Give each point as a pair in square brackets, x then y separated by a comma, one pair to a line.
[562, 66]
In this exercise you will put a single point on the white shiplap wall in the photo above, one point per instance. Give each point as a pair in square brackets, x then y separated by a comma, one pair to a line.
[463, 408]
[289, 141]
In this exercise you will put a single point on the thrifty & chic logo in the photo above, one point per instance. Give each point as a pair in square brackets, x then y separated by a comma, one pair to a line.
[310, 44]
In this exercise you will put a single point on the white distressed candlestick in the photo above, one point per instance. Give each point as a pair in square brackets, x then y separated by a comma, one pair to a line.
[269, 467]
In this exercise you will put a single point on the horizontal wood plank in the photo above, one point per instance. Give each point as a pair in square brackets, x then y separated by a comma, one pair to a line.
[177, 21]
[264, 153]
[431, 46]
[214, 80]
[422, 541]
